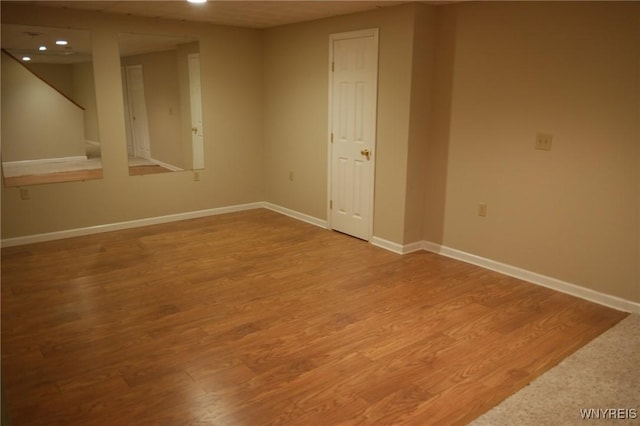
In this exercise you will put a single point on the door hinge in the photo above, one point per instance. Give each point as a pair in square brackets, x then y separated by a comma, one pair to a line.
[331, 137]
[331, 204]
[332, 66]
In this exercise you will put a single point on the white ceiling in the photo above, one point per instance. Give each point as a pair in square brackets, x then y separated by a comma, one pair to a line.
[24, 40]
[240, 13]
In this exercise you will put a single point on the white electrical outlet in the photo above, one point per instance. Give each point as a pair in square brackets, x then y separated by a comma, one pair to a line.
[543, 141]
[482, 209]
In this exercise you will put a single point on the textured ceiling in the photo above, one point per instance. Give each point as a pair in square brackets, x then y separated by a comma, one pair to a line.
[240, 13]
[24, 40]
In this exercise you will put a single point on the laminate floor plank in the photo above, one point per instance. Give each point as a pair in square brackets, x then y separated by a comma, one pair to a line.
[255, 318]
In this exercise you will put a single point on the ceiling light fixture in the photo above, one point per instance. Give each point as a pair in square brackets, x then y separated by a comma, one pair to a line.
[61, 42]
[42, 48]
[26, 58]
[197, 1]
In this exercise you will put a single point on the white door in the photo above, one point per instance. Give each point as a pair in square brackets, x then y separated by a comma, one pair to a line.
[138, 112]
[127, 113]
[197, 136]
[352, 129]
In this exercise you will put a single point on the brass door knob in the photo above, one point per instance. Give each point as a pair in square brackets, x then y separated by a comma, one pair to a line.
[366, 153]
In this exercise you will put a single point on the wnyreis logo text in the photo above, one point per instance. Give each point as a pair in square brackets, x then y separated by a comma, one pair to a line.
[609, 413]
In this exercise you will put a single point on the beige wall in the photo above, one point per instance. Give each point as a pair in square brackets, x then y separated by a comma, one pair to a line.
[59, 76]
[84, 93]
[569, 69]
[37, 121]
[463, 89]
[76, 82]
[231, 67]
[436, 162]
[296, 108]
[421, 122]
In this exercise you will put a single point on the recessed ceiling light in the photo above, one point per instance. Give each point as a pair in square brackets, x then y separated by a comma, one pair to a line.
[197, 1]
[42, 48]
[61, 42]
[26, 58]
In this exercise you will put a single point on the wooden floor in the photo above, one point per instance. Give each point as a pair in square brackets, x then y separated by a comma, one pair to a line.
[147, 170]
[254, 318]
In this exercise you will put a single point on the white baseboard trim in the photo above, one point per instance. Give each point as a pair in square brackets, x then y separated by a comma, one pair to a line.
[395, 247]
[432, 247]
[523, 274]
[387, 245]
[78, 232]
[166, 165]
[296, 215]
[413, 247]
[535, 278]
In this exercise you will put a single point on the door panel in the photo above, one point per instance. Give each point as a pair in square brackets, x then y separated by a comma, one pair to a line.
[138, 111]
[353, 94]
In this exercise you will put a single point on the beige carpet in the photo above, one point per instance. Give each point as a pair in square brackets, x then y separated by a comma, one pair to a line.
[603, 375]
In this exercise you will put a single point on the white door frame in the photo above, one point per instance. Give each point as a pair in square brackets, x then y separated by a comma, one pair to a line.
[371, 32]
[197, 147]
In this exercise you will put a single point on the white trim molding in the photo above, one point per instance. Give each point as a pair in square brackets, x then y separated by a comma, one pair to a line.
[387, 245]
[513, 271]
[395, 247]
[78, 232]
[296, 215]
[165, 165]
[536, 278]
